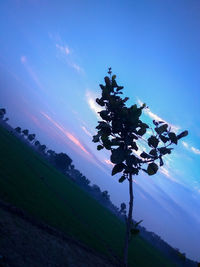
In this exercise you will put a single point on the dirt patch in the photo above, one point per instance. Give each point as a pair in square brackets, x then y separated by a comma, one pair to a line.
[26, 242]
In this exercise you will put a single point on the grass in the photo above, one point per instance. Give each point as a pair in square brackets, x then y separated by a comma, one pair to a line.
[59, 202]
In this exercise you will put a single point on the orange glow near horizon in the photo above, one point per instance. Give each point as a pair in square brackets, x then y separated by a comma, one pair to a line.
[66, 133]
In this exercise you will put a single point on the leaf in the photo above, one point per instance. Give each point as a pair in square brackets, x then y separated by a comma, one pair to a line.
[165, 150]
[114, 77]
[173, 137]
[122, 179]
[95, 138]
[99, 147]
[100, 102]
[134, 146]
[107, 81]
[153, 141]
[119, 88]
[118, 168]
[131, 160]
[104, 114]
[183, 134]
[161, 129]
[117, 156]
[141, 131]
[163, 138]
[152, 168]
[153, 152]
[144, 155]
[155, 123]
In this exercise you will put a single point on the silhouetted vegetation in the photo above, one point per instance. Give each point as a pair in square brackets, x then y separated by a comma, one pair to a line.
[64, 164]
[121, 131]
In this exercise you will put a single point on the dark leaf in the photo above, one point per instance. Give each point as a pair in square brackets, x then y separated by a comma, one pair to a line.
[165, 150]
[155, 123]
[173, 137]
[95, 138]
[153, 152]
[104, 114]
[122, 179]
[181, 135]
[99, 147]
[119, 88]
[131, 160]
[117, 156]
[118, 168]
[163, 138]
[161, 129]
[144, 155]
[152, 168]
[134, 146]
[153, 141]
[141, 131]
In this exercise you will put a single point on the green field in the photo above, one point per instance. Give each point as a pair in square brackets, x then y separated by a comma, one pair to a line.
[59, 202]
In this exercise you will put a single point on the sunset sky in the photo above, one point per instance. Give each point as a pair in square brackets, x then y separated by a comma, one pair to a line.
[54, 54]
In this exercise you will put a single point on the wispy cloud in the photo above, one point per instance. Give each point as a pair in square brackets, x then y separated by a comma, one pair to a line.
[66, 54]
[155, 117]
[195, 150]
[31, 72]
[66, 133]
[108, 162]
[86, 131]
[90, 97]
[63, 49]
[191, 148]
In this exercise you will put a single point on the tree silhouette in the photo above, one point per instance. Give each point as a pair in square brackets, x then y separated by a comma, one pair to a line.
[37, 143]
[63, 161]
[121, 131]
[31, 137]
[25, 132]
[18, 130]
[2, 113]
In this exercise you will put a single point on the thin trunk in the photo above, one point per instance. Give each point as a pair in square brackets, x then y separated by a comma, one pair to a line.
[128, 221]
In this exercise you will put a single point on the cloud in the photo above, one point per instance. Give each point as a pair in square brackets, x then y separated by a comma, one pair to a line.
[185, 144]
[31, 72]
[195, 150]
[155, 117]
[108, 162]
[63, 49]
[67, 55]
[86, 131]
[191, 148]
[90, 97]
[66, 133]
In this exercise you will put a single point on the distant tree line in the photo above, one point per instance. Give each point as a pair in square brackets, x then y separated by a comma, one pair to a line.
[2, 114]
[65, 165]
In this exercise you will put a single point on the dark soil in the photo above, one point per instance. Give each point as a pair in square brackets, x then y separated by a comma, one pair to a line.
[25, 242]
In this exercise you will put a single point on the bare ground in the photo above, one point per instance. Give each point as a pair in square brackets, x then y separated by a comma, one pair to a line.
[25, 242]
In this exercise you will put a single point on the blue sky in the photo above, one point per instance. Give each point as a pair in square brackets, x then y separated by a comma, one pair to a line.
[53, 55]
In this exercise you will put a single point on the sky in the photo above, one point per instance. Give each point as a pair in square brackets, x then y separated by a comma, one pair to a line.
[54, 54]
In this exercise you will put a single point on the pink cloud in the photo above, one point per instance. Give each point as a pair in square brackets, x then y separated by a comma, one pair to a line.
[67, 133]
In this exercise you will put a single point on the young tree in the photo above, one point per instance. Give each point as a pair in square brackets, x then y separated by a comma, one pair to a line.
[120, 131]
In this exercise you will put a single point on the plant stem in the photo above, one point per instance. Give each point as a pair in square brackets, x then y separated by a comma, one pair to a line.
[128, 221]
